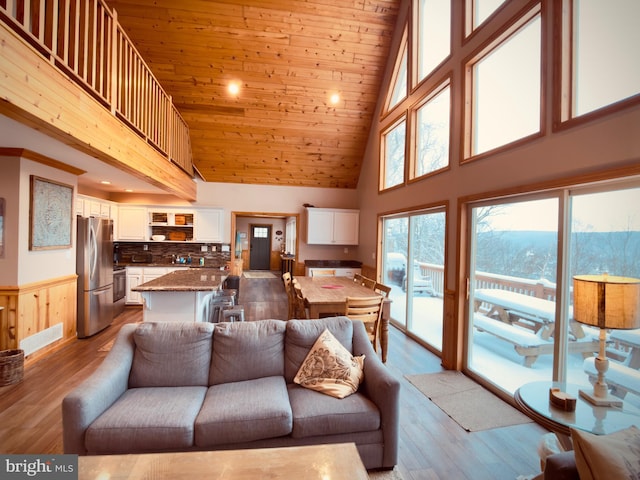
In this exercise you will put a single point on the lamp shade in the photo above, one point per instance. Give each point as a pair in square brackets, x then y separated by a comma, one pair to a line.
[607, 301]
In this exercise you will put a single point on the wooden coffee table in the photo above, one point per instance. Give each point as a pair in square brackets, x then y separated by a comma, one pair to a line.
[337, 462]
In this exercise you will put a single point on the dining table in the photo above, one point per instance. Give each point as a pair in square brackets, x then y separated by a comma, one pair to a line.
[328, 295]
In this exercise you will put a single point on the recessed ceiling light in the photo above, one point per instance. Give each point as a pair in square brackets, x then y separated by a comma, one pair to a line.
[129, 190]
[334, 98]
[105, 182]
[234, 88]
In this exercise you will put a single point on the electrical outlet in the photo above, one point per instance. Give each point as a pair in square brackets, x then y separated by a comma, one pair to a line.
[346, 250]
[145, 247]
[204, 248]
[373, 256]
[214, 248]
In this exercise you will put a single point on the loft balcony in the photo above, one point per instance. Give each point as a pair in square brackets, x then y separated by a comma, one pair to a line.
[69, 70]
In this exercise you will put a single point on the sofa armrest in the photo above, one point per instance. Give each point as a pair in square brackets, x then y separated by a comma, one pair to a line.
[98, 392]
[561, 466]
[383, 389]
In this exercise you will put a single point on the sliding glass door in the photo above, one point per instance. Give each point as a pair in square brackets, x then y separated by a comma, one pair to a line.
[513, 270]
[413, 265]
[524, 254]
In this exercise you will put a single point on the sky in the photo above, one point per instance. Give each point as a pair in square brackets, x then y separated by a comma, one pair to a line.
[598, 212]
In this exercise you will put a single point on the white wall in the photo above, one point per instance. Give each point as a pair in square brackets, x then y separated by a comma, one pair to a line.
[39, 265]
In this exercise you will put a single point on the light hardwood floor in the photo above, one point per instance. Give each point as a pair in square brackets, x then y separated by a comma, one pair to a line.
[432, 446]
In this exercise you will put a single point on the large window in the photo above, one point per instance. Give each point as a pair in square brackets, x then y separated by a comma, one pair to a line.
[605, 39]
[399, 82]
[520, 299]
[505, 89]
[393, 142]
[480, 10]
[433, 124]
[434, 32]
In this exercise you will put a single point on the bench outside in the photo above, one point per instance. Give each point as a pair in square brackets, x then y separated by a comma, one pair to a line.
[528, 344]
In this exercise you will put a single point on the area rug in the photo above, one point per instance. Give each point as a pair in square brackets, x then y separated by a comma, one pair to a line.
[259, 275]
[385, 475]
[472, 407]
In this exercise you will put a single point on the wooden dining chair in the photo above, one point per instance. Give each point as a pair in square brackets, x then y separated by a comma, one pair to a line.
[368, 282]
[300, 311]
[288, 286]
[382, 289]
[364, 281]
[323, 273]
[369, 311]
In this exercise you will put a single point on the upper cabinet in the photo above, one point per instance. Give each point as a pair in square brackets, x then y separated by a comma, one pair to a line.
[132, 223]
[139, 223]
[331, 226]
[94, 207]
[208, 225]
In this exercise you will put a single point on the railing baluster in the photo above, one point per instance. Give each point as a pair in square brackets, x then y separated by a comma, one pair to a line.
[54, 29]
[113, 97]
[65, 38]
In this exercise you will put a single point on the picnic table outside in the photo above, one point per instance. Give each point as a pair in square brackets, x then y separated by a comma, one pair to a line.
[527, 322]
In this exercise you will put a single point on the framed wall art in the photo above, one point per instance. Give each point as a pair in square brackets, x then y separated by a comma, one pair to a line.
[50, 217]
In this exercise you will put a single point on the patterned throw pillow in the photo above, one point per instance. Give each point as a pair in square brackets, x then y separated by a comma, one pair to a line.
[330, 368]
[602, 457]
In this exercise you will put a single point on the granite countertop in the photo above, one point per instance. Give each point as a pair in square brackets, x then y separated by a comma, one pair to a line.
[191, 280]
[156, 264]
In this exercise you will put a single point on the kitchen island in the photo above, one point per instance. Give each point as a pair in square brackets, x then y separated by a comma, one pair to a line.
[180, 296]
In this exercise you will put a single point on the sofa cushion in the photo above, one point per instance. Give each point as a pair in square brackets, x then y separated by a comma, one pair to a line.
[317, 414]
[147, 419]
[302, 334]
[171, 354]
[247, 350]
[601, 457]
[330, 369]
[243, 412]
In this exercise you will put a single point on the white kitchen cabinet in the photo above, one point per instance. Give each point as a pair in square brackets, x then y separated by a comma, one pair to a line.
[208, 225]
[94, 207]
[132, 223]
[134, 278]
[330, 226]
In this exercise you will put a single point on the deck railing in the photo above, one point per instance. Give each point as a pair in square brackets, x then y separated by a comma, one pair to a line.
[535, 288]
[83, 39]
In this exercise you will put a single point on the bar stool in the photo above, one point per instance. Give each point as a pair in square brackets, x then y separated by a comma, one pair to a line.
[228, 292]
[217, 303]
[233, 313]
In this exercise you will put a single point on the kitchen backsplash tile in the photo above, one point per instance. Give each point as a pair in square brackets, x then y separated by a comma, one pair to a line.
[161, 253]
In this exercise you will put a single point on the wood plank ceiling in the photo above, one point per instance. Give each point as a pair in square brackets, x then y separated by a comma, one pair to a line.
[289, 57]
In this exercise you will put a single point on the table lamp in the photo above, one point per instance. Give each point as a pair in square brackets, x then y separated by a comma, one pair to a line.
[607, 302]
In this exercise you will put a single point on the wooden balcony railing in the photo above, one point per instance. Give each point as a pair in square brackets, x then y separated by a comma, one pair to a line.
[534, 288]
[83, 39]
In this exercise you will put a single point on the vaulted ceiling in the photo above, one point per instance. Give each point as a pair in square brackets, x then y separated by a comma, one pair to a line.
[288, 57]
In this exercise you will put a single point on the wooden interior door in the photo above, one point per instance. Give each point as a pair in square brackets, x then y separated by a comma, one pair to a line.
[260, 247]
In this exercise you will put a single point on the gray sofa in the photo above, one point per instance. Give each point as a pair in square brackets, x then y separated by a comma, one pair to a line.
[200, 386]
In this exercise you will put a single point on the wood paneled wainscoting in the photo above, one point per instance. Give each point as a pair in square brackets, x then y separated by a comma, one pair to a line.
[35, 307]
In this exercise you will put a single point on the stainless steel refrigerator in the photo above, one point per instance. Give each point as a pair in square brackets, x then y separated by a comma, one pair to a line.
[94, 266]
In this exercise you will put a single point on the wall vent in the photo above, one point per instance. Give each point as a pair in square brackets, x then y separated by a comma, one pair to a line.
[41, 339]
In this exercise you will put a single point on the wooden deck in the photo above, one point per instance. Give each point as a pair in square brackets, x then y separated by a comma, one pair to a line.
[432, 446]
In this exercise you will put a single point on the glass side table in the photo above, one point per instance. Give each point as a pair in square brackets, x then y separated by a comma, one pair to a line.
[533, 398]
